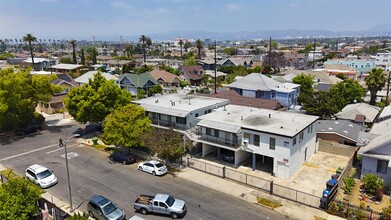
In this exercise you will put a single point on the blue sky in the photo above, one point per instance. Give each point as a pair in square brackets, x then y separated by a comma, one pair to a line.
[84, 18]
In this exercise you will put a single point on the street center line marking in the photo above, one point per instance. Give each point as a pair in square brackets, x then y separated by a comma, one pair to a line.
[28, 152]
[52, 151]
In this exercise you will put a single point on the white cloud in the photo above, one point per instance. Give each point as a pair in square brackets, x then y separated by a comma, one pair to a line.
[232, 6]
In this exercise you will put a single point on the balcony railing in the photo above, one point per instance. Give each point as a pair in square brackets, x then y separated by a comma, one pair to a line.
[169, 124]
[218, 140]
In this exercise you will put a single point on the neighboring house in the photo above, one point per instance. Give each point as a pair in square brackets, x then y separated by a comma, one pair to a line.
[103, 59]
[208, 64]
[385, 114]
[133, 82]
[273, 141]
[257, 85]
[15, 61]
[376, 157]
[322, 81]
[56, 104]
[317, 54]
[383, 59]
[166, 79]
[359, 113]
[335, 69]
[237, 61]
[113, 64]
[69, 68]
[193, 74]
[296, 60]
[341, 131]
[219, 75]
[362, 66]
[236, 99]
[39, 63]
[178, 111]
[84, 79]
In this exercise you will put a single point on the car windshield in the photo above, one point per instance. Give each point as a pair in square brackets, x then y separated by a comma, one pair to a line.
[109, 208]
[44, 174]
[158, 165]
[170, 201]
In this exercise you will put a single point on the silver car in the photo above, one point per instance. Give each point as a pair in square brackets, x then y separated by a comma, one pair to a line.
[102, 208]
[153, 167]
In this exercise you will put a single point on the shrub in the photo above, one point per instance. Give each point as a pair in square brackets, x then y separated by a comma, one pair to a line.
[372, 183]
[349, 183]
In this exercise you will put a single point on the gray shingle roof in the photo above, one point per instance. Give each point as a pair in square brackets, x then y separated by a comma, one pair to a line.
[350, 111]
[343, 128]
[255, 81]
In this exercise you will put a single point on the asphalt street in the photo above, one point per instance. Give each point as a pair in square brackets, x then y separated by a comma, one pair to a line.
[91, 173]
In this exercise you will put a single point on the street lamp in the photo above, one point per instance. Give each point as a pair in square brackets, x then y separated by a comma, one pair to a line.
[64, 144]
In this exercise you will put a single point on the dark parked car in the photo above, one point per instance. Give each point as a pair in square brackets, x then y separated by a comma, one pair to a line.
[122, 157]
[91, 128]
[30, 129]
[229, 156]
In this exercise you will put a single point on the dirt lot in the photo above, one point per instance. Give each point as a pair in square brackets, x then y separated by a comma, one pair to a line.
[355, 198]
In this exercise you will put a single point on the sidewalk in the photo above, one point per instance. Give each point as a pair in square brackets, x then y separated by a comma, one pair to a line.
[291, 209]
[49, 197]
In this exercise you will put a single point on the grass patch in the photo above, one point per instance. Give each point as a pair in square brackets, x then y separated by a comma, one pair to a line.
[319, 218]
[104, 148]
[268, 203]
[9, 174]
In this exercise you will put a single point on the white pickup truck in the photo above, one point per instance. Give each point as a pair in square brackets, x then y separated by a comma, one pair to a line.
[162, 204]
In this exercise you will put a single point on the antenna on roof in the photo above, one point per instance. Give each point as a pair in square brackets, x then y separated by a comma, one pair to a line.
[215, 67]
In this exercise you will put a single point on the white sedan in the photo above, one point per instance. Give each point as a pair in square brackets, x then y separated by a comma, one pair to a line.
[154, 167]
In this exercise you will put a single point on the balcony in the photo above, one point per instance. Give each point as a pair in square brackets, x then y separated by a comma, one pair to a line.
[169, 124]
[231, 142]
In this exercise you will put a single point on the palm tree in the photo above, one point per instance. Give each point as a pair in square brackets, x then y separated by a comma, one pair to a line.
[30, 38]
[181, 44]
[129, 50]
[199, 45]
[187, 46]
[82, 57]
[144, 40]
[375, 82]
[73, 43]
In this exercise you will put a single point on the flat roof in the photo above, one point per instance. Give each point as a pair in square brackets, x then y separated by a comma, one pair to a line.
[179, 104]
[67, 66]
[280, 123]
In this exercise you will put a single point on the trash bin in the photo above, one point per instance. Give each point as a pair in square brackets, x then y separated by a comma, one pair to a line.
[331, 183]
[95, 140]
[339, 170]
[323, 203]
[325, 193]
[335, 176]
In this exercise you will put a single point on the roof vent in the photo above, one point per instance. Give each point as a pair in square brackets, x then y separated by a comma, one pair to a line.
[345, 132]
[270, 115]
[330, 128]
[241, 117]
[350, 125]
[337, 123]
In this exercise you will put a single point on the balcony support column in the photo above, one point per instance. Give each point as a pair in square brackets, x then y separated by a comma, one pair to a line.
[254, 161]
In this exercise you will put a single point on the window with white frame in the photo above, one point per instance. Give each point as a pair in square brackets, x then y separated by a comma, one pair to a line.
[294, 141]
[256, 140]
[301, 137]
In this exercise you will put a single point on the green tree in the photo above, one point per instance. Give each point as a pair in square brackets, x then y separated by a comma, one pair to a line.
[143, 69]
[156, 89]
[375, 82]
[346, 92]
[92, 53]
[66, 60]
[230, 51]
[20, 93]
[184, 83]
[186, 46]
[18, 199]
[144, 40]
[189, 62]
[92, 102]
[73, 44]
[320, 104]
[129, 50]
[126, 125]
[306, 83]
[199, 45]
[29, 38]
[372, 183]
[82, 57]
[181, 45]
[166, 143]
[274, 45]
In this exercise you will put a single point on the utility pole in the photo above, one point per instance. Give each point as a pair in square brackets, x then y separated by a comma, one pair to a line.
[215, 67]
[270, 49]
[313, 55]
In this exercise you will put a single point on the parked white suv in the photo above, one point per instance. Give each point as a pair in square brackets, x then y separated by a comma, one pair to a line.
[154, 167]
[41, 176]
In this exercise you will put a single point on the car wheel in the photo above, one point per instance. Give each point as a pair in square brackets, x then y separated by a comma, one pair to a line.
[111, 158]
[174, 215]
[90, 214]
[140, 168]
[144, 211]
[153, 173]
[123, 162]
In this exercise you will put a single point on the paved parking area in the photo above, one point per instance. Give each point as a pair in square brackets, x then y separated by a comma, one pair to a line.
[311, 177]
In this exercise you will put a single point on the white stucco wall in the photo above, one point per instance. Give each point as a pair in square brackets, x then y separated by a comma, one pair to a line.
[369, 165]
[240, 156]
[207, 149]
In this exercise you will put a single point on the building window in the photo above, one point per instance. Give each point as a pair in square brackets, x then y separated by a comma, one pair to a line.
[272, 143]
[382, 166]
[180, 120]
[294, 141]
[256, 140]
[286, 143]
[196, 115]
[208, 131]
[246, 135]
[216, 133]
[301, 137]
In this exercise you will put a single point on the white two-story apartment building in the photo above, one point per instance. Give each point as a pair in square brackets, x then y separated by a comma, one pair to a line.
[274, 141]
